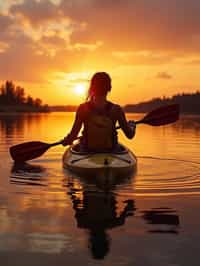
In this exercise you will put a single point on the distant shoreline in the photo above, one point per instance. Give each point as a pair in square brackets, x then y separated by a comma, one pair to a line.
[17, 112]
[23, 109]
[189, 104]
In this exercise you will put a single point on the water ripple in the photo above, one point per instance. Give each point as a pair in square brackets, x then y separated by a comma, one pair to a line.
[164, 176]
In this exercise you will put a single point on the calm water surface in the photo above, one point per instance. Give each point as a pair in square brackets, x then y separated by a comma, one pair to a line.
[48, 217]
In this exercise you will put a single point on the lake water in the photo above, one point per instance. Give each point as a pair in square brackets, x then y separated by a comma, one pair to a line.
[48, 217]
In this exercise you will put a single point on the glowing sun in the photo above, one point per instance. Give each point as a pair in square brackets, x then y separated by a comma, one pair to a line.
[80, 89]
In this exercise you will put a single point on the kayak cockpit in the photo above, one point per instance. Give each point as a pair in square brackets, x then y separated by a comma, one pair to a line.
[120, 162]
[76, 149]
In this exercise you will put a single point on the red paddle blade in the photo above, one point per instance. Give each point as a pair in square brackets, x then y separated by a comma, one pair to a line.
[162, 116]
[28, 150]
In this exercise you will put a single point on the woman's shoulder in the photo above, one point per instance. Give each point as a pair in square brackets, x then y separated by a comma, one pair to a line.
[83, 109]
[83, 106]
[113, 107]
[116, 107]
[116, 110]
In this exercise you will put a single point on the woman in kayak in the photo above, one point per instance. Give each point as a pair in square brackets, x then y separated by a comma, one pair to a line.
[98, 116]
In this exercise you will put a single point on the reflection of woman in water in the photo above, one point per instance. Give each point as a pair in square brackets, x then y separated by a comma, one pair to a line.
[97, 211]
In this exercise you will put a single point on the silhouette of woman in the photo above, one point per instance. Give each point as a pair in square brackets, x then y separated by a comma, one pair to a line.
[99, 117]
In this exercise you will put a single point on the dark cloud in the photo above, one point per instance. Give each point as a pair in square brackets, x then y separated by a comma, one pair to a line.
[127, 24]
[5, 23]
[21, 62]
[37, 12]
[54, 41]
[32, 61]
[165, 29]
[140, 24]
[193, 62]
[163, 75]
[143, 57]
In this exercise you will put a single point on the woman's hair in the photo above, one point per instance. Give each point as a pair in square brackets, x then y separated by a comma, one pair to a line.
[100, 85]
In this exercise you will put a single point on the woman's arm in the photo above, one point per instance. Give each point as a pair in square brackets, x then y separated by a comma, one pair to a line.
[128, 130]
[75, 129]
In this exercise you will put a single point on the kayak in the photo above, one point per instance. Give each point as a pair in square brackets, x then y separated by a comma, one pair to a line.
[119, 163]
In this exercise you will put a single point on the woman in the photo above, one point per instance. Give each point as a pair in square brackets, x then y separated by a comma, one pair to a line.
[99, 117]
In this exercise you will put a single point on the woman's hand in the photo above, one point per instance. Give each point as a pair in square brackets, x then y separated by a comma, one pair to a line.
[132, 124]
[67, 140]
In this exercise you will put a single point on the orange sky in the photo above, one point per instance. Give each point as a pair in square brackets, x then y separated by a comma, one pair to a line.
[149, 47]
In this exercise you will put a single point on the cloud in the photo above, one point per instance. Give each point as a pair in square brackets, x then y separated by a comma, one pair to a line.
[3, 46]
[37, 12]
[143, 57]
[139, 24]
[40, 19]
[163, 75]
[21, 62]
[128, 25]
[5, 5]
[5, 23]
[35, 42]
[194, 62]
[62, 35]
[133, 25]
[87, 46]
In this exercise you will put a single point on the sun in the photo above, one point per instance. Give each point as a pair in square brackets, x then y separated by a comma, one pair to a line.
[80, 89]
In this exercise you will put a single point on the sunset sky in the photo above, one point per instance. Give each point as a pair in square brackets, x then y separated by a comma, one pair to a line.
[52, 47]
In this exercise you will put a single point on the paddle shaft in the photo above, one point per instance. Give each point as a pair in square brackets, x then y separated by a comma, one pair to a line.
[136, 123]
[158, 115]
[55, 143]
[30, 150]
[60, 142]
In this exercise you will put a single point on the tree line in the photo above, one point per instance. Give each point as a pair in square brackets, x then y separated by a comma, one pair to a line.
[11, 95]
[189, 103]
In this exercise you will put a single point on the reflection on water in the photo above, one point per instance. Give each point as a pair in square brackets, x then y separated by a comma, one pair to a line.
[18, 126]
[27, 174]
[165, 176]
[162, 216]
[189, 122]
[149, 219]
[98, 210]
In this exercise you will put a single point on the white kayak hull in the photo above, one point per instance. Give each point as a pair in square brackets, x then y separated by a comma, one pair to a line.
[118, 163]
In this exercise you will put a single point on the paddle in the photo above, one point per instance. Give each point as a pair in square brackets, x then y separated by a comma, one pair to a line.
[31, 150]
[161, 116]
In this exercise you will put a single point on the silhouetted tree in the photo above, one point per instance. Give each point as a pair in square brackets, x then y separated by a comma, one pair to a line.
[11, 95]
[38, 102]
[20, 95]
[189, 103]
[29, 100]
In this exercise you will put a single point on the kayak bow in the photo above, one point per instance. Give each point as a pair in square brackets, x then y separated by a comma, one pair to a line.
[122, 162]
